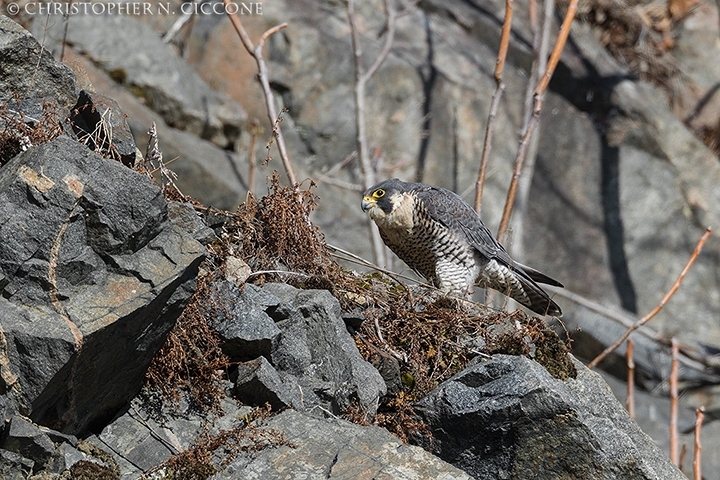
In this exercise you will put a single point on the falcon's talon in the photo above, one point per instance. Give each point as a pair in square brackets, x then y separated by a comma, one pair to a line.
[442, 238]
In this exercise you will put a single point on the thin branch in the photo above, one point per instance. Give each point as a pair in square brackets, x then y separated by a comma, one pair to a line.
[538, 102]
[630, 400]
[256, 52]
[659, 307]
[184, 18]
[337, 252]
[389, 38]
[697, 466]
[361, 78]
[353, 187]
[495, 104]
[674, 456]
[255, 129]
[541, 45]
[692, 357]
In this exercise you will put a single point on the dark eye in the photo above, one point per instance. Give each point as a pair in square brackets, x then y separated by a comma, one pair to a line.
[379, 193]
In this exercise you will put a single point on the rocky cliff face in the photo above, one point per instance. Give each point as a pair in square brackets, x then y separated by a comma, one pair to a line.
[97, 266]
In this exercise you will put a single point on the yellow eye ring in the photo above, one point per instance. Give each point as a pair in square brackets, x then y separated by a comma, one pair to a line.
[379, 193]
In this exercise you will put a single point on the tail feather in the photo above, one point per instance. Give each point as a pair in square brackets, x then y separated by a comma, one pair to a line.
[539, 277]
[537, 299]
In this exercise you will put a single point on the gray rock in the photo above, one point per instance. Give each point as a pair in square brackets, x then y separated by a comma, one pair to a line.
[30, 72]
[27, 440]
[258, 383]
[65, 457]
[143, 437]
[240, 319]
[14, 466]
[95, 275]
[184, 216]
[100, 124]
[336, 449]
[156, 72]
[315, 347]
[508, 418]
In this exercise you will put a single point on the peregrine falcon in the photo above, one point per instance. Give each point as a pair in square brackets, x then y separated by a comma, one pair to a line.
[443, 239]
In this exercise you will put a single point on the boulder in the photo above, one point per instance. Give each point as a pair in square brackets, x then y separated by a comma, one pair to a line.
[315, 347]
[258, 383]
[93, 276]
[30, 73]
[147, 434]
[14, 466]
[507, 417]
[240, 317]
[26, 439]
[212, 175]
[336, 449]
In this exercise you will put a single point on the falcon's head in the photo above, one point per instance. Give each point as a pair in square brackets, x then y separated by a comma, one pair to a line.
[387, 203]
[380, 196]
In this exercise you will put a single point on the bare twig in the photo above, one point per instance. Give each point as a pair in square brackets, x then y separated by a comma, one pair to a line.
[362, 76]
[182, 20]
[659, 307]
[674, 456]
[539, 96]
[630, 401]
[256, 52]
[541, 45]
[692, 357]
[255, 130]
[341, 254]
[495, 104]
[697, 467]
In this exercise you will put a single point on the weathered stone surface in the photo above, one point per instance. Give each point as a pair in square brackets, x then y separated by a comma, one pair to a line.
[13, 466]
[206, 172]
[144, 437]
[26, 439]
[94, 275]
[66, 456]
[258, 383]
[240, 319]
[30, 72]
[159, 75]
[315, 347]
[508, 418]
[184, 216]
[336, 449]
[99, 123]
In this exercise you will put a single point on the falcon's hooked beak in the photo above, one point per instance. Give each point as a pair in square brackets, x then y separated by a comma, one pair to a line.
[367, 203]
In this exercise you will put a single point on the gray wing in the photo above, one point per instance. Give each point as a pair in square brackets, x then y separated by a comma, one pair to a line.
[451, 210]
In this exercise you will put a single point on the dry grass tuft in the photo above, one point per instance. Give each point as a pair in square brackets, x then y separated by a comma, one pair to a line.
[211, 451]
[275, 233]
[191, 359]
[639, 33]
[20, 132]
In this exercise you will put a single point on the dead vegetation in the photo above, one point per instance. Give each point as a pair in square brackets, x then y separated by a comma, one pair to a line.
[191, 360]
[18, 132]
[213, 450]
[639, 33]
